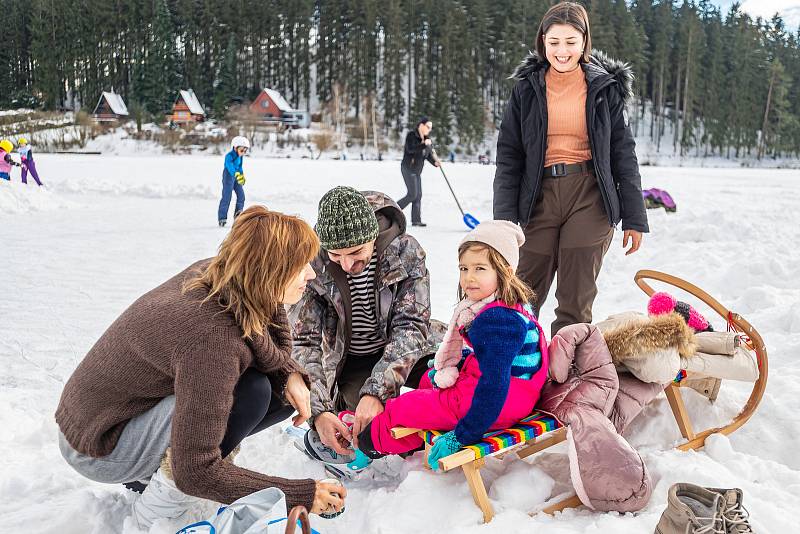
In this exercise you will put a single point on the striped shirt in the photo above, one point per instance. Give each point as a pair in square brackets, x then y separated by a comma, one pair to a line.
[365, 338]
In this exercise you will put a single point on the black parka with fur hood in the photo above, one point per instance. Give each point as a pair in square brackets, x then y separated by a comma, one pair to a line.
[522, 142]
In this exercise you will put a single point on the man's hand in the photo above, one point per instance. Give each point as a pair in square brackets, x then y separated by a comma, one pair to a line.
[333, 433]
[299, 397]
[368, 407]
[635, 238]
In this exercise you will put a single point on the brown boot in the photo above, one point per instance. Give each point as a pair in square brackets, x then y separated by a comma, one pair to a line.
[733, 512]
[692, 509]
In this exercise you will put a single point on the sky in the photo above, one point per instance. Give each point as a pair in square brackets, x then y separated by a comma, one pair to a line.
[788, 9]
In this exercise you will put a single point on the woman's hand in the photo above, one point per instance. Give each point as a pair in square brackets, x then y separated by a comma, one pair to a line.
[328, 495]
[299, 397]
[635, 238]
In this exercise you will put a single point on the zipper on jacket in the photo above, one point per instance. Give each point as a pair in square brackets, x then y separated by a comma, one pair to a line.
[384, 333]
[591, 111]
[542, 102]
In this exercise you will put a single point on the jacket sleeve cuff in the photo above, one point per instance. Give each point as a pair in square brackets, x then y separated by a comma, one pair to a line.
[643, 228]
[281, 376]
[371, 387]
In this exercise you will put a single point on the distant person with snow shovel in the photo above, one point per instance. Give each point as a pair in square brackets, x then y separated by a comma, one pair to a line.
[417, 149]
[566, 166]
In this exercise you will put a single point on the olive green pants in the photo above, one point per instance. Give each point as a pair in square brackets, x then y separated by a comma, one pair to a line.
[568, 234]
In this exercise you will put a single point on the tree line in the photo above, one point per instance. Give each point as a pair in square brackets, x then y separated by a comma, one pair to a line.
[707, 82]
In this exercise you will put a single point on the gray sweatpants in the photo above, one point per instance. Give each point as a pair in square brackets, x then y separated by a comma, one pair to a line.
[138, 453]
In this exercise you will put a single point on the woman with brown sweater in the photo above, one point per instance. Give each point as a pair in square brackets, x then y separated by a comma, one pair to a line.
[192, 368]
[566, 165]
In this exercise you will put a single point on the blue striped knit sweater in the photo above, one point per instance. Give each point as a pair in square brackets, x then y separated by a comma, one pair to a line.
[505, 343]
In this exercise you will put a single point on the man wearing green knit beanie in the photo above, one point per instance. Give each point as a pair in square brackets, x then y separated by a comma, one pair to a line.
[362, 328]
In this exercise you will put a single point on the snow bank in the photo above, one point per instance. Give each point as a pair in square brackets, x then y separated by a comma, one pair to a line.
[17, 198]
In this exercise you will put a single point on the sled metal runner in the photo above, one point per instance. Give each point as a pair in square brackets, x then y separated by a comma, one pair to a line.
[472, 458]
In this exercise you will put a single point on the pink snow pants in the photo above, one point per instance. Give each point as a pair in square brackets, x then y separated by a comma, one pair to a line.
[441, 409]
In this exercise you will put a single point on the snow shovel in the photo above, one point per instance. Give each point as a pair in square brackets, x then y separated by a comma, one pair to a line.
[469, 220]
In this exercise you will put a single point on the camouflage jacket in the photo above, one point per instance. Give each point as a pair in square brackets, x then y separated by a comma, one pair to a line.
[321, 320]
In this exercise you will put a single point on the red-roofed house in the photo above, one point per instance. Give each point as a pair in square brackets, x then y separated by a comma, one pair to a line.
[270, 106]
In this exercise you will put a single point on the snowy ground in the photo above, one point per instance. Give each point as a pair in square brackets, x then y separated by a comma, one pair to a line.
[108, 229]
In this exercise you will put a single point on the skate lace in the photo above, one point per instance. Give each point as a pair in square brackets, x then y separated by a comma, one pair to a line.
[713, 525]
[335, 455]
[736, 519]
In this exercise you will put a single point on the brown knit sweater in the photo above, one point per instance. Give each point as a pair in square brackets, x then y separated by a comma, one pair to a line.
[169, 343]
[567, 136]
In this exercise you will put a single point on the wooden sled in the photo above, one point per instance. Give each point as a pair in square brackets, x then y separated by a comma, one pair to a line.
[736, 323]
[524, 442]
[535, 433]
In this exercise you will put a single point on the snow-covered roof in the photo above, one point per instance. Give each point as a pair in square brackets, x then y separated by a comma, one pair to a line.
[115, 101]
[191, 100]
[276, 97]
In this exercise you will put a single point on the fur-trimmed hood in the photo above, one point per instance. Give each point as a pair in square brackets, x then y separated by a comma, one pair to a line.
[638, 337]
[601, 66]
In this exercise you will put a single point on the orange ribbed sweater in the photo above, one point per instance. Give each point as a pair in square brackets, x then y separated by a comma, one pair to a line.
[567, 137]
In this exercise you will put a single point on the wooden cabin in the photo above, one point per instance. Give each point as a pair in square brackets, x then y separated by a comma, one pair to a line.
[271, 107]
[187, 108]
[110, 108]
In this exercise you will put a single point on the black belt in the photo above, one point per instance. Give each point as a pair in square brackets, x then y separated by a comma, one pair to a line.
[562, 169]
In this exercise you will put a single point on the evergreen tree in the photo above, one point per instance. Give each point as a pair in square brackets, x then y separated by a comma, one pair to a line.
[227, 88]
[729, 84]
[602, 26]
[162, 66]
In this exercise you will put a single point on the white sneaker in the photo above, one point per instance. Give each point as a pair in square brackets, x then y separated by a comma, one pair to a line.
[161, 500]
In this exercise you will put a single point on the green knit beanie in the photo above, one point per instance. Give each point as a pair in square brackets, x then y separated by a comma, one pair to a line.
[345, 219]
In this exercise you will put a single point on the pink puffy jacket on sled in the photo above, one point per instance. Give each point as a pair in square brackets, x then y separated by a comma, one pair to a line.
[584, 393]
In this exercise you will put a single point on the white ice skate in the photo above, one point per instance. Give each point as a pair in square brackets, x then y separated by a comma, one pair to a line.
[161, 500]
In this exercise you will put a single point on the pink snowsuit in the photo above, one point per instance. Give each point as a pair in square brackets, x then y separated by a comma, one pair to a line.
[441, 409]
[5, 166]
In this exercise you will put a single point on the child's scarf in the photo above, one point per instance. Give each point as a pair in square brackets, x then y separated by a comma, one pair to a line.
[448, 356]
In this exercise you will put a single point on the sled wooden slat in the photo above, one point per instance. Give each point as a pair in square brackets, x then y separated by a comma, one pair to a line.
[473, 475]
[560, 506]
[472, 459]
[545, 442]
[673, 393]
[738, 323]
[401, 432]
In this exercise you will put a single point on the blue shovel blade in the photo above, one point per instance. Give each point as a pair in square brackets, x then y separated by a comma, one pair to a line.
[470, 221]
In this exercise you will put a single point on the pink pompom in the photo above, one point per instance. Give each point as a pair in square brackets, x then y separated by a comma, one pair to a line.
[697, 321]
[661, 303]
